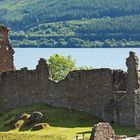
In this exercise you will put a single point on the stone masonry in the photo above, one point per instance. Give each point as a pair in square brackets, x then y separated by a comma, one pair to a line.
[6, 51]
[112, 95]
[103, 131]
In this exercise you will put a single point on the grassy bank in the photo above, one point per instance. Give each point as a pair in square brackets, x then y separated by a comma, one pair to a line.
[64, 124]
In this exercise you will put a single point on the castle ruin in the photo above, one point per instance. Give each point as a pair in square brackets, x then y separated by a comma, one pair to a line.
[113, 95]
[6, 51]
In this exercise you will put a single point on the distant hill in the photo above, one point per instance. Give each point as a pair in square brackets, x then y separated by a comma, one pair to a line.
[22, 14]
[105, 21]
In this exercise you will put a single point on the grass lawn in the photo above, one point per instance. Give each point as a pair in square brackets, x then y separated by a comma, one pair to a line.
[64, 124]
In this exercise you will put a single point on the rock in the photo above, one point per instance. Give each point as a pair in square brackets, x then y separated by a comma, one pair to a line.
[36, 117]
[18, 120]
[39, 126]
[18, 124]
[21, 116]
[102, 131]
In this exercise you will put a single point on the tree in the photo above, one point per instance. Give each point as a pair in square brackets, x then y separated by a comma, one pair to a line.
[61, 66]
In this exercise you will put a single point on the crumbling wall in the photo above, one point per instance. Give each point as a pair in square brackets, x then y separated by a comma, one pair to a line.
[81, 90]
[19, 88]
[84, 90]
[108, 94]
[6, 51]
[121, 108]
[127, 110]
[119, 80]
[112, 108]
[92, 91]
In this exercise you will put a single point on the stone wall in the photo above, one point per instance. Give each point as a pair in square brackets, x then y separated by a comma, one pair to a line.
[81, 90]
[123, 107]
[102, 92]
[128, 104]
[6, 51]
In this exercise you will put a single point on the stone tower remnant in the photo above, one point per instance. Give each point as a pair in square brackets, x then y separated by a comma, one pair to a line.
[133, 88]
[6, 51]
[132, 75]
[132, 113]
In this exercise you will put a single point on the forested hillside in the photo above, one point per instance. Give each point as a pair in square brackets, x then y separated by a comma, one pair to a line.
[72, 23]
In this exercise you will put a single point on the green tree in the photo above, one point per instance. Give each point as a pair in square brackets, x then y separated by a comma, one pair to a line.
[61, 66]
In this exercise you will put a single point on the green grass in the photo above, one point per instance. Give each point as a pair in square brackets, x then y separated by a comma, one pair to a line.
[64, 124]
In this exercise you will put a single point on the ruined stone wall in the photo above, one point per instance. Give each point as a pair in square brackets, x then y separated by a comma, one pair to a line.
[84, 90]
[123, 108]
[128, 105]
[123, 105]
[6, 51]
[108, 94]
[81, 90]
[19, 88]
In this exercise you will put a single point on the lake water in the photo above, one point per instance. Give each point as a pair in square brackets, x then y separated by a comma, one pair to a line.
[97, 58]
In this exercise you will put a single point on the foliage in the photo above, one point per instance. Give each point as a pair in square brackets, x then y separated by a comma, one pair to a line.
[72, 24]
[25, 14]
[89, 33]
[61, 66]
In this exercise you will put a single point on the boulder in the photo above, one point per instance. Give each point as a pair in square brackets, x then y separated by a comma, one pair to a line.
[21, 116]
[102, 131]
[17, 121]
[39, 126]
[35, 117]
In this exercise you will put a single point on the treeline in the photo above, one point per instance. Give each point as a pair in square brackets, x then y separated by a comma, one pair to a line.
[23, 16]
[104, 32]
[76, 43]
[127, 24]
